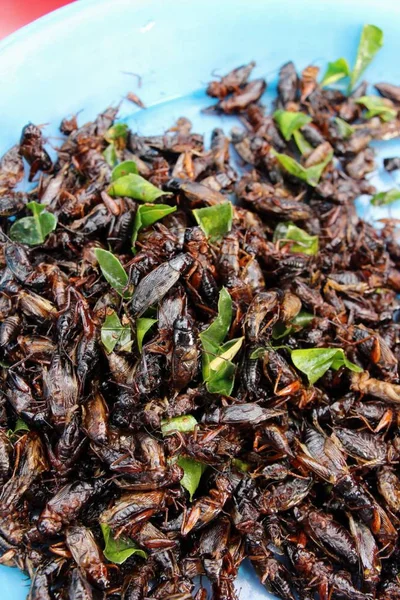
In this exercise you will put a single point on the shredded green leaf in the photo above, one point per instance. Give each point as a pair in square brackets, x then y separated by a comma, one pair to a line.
[258, 353]
[303, 319]
[221, 377]
[118, 550]
[124, 168]
[218, 330]
[110, 154]
[226, 352]
[33, 230]
[215, 333]
[215, 220]
[136, 187]
[302, 241]
[184, 424]
[335, 71]
[113, 333]
[370, 42]
[222, 380]
[217, 367]
[345, 130]
[113, 271]
[147, 214]
[280, 330]
[192, 472]
[289, 122]
[117, 132]
[302, 144]
[314, 362]
[384, 198]
[311, 175]
[377, 107]
[240, 465]
[20, 426]
[143, 325]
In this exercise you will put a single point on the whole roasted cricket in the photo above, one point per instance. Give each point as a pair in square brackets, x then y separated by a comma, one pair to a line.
[186, 381]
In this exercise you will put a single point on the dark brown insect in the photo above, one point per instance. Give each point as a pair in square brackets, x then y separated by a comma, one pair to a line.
[31, 148]
[64, 507]
[288, 84]
[86, 554]
[230, 82]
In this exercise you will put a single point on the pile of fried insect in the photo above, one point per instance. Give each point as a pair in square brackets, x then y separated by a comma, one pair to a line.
[188, 382]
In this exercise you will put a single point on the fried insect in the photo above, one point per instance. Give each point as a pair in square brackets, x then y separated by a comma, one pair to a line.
[85, 552]
[31, 148]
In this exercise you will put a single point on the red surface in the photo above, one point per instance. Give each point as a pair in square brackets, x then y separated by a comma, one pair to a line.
[16, 13]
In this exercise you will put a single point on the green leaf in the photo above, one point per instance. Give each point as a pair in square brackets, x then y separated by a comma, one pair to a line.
[136, 187]
[143, 324]
[226, 352]
[291, 166]
[218, 330]
[147, 214]
[289, 122]
[36, 208]
[192, 472]
[311, 175]
[20, 426]
[335, 71]
[314, 173]
[217, 368]
[119, 550]
[119, 131]
[377, 107]
[113, 271]
[222, 380]
[314, 362]
[345, 130]
[258, 353]
[215, 333]
[280, 330]
[221, 371]
[46, 222]
[303, 319]
[110, 154]
[370, 42]
[240, 465]
[113, 332]
[184, 424]
[33, 230]
[302, 144]
[215, 220]
[303, 242]
[383, 198]
[124, 168]
[210, 351]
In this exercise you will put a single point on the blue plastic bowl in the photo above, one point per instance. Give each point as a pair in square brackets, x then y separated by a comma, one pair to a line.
[84, 57]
